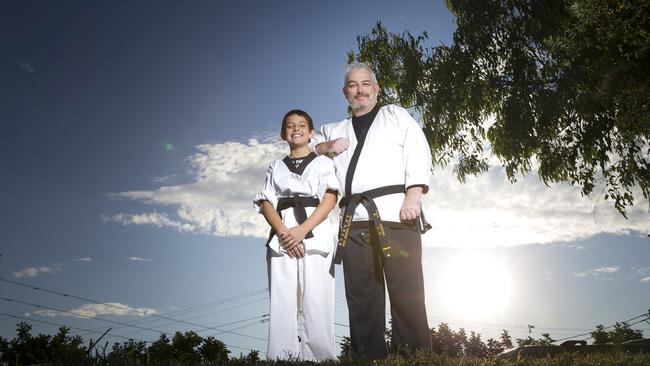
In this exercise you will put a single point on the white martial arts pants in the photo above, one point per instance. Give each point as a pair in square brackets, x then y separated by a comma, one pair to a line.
[301, 323]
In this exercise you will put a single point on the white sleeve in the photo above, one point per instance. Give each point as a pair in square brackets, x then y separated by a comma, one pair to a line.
[327, 178]
[267, 193]
[319, 137]
[416, 153]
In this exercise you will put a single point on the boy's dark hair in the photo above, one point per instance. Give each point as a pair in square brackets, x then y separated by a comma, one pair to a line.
[297, 112]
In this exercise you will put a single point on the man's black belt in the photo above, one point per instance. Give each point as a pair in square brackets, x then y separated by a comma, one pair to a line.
[350, 203]
[298, 203]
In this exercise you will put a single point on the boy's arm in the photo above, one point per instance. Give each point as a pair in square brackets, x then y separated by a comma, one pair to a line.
[272, 217]
[297, 234]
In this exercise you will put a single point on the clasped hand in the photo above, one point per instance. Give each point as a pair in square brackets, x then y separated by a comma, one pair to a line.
[292, 241]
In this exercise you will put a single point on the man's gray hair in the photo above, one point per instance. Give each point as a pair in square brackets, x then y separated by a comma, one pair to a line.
[358, 66]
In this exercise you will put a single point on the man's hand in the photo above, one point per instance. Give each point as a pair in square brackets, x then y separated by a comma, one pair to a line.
[335, 146]
[411, 206]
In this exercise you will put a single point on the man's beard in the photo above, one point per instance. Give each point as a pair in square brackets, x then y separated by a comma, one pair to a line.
[355, 106]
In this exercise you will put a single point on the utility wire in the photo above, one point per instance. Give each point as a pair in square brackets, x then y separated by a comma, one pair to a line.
[120, 307]
[200, 316]
[107, 320]
[67, 326]
[39, 244]
[98, 332]
[626, 322]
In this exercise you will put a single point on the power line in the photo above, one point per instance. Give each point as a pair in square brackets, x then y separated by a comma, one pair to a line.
[40, 244]
[220, 311]
[626, 322]
[98, 332]
[108, 320]
[67, 326]
[120, 307]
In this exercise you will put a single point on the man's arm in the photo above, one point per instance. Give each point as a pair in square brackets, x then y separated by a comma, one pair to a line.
[412, 202]
[417, 160]
[336, 146]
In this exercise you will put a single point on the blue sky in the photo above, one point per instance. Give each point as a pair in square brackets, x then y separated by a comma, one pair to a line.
[135, 135]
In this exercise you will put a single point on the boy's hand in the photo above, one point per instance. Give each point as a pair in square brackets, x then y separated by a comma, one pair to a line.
[293, 237]
[297, 252]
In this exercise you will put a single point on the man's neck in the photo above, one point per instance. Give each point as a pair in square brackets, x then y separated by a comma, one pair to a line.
[361, 112]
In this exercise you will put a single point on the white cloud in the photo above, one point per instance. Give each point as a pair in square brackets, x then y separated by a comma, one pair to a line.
[645, 279]
[138, 259]
[92, 310]
[83, 259]
[486, 211]
[597, 271]
[219, 200]
[36, 271]
[25, 66]
[163, 179]
[489, 211]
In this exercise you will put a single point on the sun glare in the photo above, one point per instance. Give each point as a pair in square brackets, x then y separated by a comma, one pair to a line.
[476, 287]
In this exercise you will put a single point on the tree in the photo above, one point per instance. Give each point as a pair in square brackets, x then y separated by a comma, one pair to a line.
[160, 351]
[65, 349]
[621, 333]
[446, 341]
[185, 346]
[475, 346]
[128, 352]
[214, 350]
[564, 85]
[346, 349]
[506, 339]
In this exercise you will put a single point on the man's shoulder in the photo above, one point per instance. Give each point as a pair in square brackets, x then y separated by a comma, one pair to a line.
[335, 128]
[335, 125]
[395, 110]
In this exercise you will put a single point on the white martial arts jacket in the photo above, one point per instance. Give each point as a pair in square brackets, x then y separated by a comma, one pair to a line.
[315, 180]
[395, 152]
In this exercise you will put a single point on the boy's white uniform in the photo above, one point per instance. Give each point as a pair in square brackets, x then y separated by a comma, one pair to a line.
[302, 289]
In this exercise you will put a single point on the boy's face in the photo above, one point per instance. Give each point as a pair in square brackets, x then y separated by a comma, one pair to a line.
[297, 131]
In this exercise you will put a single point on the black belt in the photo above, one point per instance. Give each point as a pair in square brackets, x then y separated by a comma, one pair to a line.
[298, 203]
[349, 205]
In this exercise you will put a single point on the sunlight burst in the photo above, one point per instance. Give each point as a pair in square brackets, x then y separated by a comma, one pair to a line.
[476, 287]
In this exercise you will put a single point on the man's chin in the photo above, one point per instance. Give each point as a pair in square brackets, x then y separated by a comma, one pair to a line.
[358, 106]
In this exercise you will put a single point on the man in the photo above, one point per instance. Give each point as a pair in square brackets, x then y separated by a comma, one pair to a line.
[383, 163]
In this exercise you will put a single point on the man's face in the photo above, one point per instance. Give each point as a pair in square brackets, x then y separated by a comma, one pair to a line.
[360, 91]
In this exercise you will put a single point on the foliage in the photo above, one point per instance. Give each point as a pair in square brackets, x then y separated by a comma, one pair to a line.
[621, 333]
[28, 349]
[450, 348]
[557, 86]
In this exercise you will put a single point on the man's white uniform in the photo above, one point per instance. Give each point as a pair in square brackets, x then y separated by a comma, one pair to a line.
[302, 290]
[394, 152]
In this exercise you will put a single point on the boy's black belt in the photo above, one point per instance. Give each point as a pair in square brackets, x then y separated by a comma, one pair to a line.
[298, 203]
